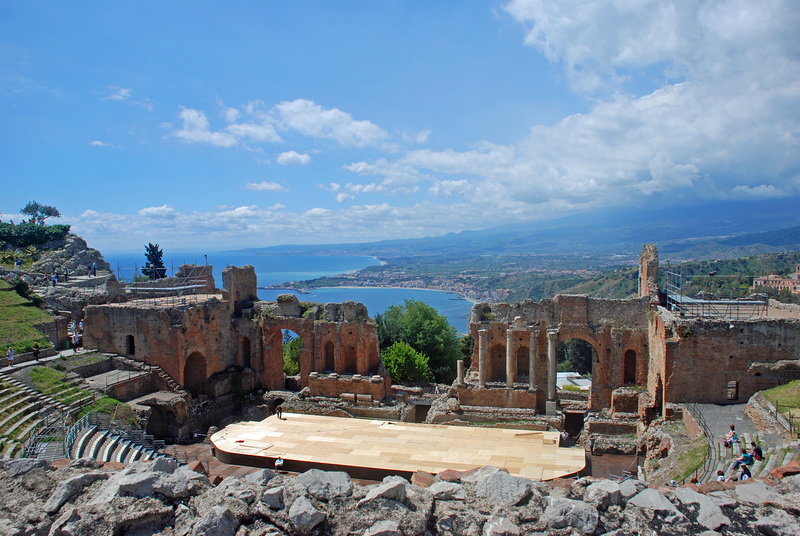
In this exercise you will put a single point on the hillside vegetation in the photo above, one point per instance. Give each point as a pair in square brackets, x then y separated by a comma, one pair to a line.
[18, 316]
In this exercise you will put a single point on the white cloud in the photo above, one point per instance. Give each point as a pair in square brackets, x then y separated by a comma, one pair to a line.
[306, 117]
[449, 189]
[292, 158]
[197, 129]
[164, 211]
[126, 95]
[254, 132]
[98, 143]
[265, 186]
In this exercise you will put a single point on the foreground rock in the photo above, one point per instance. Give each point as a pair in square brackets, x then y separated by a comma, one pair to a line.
[160, 498]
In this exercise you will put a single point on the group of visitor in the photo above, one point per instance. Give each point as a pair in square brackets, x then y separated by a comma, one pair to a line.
[743, 461]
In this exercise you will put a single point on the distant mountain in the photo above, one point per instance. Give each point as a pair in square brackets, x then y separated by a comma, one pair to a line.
[718, 230]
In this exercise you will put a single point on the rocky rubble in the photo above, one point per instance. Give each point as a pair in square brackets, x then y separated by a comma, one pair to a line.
[84, 497]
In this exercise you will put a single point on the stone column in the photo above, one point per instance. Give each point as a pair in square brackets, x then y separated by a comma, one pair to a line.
[460, 365]
[510, 365]
[483, 341]
[337, 350]
[552, 345]
[533, 352]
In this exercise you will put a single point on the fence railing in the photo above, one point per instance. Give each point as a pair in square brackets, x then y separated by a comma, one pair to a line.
[783, 414]
[712, 456]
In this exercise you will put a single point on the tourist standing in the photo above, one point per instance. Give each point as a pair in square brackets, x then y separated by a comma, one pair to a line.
[36, 351]
[10, 356]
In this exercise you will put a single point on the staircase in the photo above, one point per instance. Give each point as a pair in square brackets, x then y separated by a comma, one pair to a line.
[91, 438]
[22, 411]
[773, 457]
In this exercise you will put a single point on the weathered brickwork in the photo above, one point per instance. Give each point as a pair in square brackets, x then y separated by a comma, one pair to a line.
[232, 342]
[635, 341]
[614, 328]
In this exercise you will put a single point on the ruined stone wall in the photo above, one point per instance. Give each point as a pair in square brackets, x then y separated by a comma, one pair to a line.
[722, 361]
[648, 272]
[332, 386]
[612, 327]
[501, 398]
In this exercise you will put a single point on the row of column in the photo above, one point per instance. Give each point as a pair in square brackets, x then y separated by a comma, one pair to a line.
[552, 345]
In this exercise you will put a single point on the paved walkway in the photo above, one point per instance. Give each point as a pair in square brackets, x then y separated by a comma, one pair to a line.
[719, 419]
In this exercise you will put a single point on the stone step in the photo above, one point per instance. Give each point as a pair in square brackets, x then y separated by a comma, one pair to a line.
[17, 415]
[27, 418]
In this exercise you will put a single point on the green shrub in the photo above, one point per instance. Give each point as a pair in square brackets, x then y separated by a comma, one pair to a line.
[406, 364]
[30, 234]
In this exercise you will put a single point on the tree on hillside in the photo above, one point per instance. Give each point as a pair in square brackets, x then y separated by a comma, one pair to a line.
[406, 364]
[38, 212]
[154, 267]
[420, 326]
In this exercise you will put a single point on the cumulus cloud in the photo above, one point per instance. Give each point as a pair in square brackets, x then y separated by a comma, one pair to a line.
[311, 119]
[265, 186]
[197, 129]
[262, 126]
[293, 158]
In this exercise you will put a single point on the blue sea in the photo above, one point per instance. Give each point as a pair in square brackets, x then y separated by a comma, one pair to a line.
[274, 270]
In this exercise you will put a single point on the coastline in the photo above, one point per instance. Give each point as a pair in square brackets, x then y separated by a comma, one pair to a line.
[308, 291]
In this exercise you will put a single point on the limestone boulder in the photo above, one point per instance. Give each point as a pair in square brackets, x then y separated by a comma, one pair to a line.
[304, 516]
[218, 521]
[326, 485]
[578, 515]
[504, 489]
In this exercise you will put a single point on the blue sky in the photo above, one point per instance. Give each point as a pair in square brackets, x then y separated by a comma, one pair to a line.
[203, 125]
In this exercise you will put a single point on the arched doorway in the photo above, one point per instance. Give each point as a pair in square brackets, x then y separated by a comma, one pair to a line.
[330, 357]
[292, 348]
[194, 374]
[498, 361]
[244, 352]
[630, 367]
[523, 358]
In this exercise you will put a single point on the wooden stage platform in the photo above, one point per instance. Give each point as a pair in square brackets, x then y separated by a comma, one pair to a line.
[372, 449]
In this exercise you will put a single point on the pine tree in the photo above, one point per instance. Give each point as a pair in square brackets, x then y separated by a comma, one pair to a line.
[154, 267]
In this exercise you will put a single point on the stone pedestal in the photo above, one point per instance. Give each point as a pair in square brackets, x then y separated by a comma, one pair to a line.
[551, 407]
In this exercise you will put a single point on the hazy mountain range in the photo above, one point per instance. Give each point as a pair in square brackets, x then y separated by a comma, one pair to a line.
[719, 230]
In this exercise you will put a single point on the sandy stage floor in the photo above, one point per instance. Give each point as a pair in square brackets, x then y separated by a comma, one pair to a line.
[395, 448]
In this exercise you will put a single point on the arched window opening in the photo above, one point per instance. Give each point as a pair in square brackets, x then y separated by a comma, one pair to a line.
[292, 348]
[130, 345]
[575, 358]
[630, 367]
[194, 374]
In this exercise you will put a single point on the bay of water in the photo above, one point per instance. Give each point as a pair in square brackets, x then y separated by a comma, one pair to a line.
[274, 270]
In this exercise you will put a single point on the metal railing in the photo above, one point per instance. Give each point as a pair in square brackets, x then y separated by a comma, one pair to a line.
[712, 457]
[786, 419]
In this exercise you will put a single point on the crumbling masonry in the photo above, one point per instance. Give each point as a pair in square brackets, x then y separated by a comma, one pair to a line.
[232, 343]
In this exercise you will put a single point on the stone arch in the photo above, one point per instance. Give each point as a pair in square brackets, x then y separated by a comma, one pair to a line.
[350, 360]
[523, 357]
[244, 352]
[497, 358]
[329, 364]
[194, 374]
[629, 367]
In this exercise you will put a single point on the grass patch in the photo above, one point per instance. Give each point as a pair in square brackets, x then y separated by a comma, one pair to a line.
[17, 318]
[52, 383]
[119, 411]
[571, 388]
[785, 395]
[692, 459]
